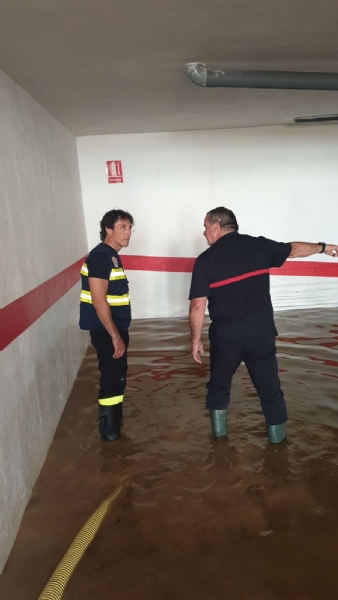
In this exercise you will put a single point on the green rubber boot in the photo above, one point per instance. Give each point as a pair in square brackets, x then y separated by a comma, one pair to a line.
[277, 433]
[218, 422]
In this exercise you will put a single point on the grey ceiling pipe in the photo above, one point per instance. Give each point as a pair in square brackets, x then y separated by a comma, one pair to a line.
[317, 119]
[204, 76]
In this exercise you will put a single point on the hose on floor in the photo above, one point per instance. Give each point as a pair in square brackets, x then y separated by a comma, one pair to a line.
[58, 581]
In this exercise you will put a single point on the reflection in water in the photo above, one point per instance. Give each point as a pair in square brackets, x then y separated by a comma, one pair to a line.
[204, 518]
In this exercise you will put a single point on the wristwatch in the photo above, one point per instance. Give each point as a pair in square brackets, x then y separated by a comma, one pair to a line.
[323, 245]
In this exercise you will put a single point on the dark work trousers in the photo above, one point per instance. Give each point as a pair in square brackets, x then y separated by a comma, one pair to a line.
[259, 356]
[113, 370]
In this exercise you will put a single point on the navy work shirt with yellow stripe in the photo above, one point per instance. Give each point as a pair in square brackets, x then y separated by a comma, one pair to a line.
[234, 275]
[103, 262]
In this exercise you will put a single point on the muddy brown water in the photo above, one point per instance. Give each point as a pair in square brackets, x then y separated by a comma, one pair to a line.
[198, 518]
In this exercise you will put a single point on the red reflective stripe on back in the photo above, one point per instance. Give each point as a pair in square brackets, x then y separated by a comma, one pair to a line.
[233, 279]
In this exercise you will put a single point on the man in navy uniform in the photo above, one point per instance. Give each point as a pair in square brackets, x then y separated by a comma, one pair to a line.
[233, 275]
[105, 312]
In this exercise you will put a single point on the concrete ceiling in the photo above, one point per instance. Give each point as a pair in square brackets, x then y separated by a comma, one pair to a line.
[117, 66]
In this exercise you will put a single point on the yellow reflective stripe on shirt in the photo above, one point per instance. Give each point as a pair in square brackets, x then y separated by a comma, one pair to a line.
[122, 300]
[84, 270]
[111, 401]
[118, 300]
[117, 274]
[86, 297]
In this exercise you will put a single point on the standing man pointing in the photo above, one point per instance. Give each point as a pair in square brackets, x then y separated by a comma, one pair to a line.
[105, 312]
[233, 275]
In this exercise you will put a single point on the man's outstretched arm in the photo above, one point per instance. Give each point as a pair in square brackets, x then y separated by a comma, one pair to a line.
[196, 320]
[303, 249]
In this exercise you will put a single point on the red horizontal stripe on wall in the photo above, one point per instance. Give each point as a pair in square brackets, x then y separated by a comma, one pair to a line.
[305, 268]
[169, 264]
[17, 316]
[185, 265]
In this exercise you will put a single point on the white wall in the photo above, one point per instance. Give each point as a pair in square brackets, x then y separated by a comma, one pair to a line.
[42, 232]
[281, 182]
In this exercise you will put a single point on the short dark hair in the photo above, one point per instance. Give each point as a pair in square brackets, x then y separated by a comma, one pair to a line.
[224, 217]
[110, 218]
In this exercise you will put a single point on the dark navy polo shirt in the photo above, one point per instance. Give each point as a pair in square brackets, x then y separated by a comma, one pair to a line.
[234, 275]
[103, 262]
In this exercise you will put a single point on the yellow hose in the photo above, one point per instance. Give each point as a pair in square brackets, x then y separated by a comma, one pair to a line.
[58, 581]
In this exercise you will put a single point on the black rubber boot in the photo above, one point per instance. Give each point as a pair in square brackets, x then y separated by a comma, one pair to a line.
[109, 422]
[121, 414]
[218, 422]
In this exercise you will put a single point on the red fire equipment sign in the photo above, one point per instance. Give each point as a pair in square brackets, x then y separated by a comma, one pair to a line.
[114, 171]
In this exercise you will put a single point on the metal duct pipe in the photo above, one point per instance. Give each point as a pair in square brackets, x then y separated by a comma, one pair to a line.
[204, 76]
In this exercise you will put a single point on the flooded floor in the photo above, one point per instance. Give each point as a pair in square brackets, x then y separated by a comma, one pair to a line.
[198, 518]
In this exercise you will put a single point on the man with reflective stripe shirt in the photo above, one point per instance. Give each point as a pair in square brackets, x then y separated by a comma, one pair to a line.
[105, 312]
[233, 275]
